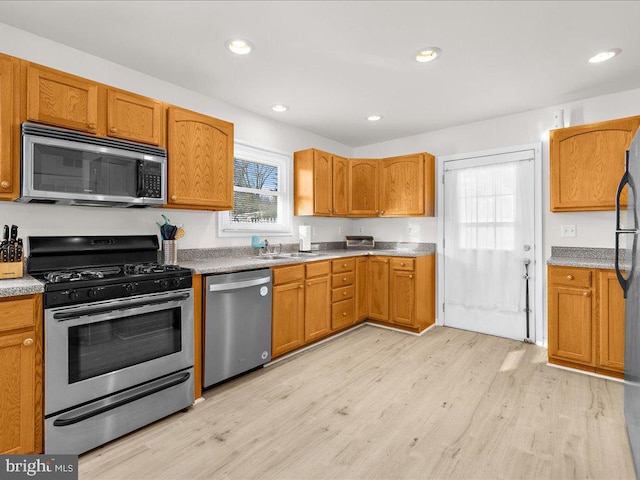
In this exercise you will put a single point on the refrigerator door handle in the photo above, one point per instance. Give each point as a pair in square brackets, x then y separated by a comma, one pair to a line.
[623, 182]
[623, 281]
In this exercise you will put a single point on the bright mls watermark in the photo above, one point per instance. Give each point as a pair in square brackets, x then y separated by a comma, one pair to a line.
[50, 467]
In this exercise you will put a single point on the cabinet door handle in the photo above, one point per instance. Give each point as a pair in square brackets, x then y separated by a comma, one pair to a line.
[28, 342]
[92, 126]
[569, 277]
[386, 261]
[344, 264]
[344, 279]
[113, 130]
[5, 184]
[410, 276]
[377, 211]
[586, 294]
[174, 198]
[382, 212]
[308, 284]
[344, 314]
[402, 264]
[344, 294]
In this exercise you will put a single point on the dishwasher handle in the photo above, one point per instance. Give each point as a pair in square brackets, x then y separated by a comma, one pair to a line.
[223, 287]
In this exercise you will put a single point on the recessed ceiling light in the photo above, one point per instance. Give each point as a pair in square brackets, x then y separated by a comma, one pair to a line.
[239, 46]
[374, 118]
[604, 56]
[428, 54]
[279, 108]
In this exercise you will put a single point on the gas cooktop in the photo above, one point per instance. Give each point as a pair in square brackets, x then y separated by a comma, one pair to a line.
[88, 269]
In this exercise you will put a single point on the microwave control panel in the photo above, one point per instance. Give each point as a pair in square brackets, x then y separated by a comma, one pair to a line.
[150, 179]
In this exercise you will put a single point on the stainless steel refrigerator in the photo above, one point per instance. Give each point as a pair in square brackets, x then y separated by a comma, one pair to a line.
[627, 265]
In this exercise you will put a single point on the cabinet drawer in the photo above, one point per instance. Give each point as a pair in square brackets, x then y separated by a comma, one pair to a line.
[341, 280]
[342, 314]
[571, 277]
[294, 273]
[317, 269]
[340, 294]
[403, 263]
[18, 313]
[343, 265]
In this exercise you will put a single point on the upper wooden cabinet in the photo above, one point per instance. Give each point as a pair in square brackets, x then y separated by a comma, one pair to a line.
[9, 128]
[314, 179]
[364, 181]
[407, 185]
[327, 185]
[133, 117]
[587, 162]
[61, 99]
[200, 161]
[340, 185]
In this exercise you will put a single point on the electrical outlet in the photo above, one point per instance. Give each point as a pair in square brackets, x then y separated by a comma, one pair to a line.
[567, 230]
[359, 230]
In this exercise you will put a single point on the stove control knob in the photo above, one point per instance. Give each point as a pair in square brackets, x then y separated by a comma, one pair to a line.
[92, 292]
[164, 283]
[175, 282]
[74, 295]
[129, 287]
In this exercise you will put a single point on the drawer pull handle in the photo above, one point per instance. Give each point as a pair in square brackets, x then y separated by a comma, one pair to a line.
[402, 264]
[301, 286]
[344, 264]
[410, 276]
[344, 314]
[344, 294]
[586, 294]
[28, 342]
[344, 279]
[569, 277]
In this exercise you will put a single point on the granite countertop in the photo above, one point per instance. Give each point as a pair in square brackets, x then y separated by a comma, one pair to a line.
[603, 258]
[239, 263]
[13, 287]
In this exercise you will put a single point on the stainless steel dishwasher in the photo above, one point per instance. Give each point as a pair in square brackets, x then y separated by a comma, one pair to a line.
[237, 324]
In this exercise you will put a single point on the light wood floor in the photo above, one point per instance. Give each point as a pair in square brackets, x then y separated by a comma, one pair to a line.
[377, 404]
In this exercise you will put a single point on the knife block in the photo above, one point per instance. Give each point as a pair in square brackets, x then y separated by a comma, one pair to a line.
[11, 270]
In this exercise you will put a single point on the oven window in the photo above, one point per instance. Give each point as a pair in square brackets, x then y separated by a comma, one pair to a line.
[64, 170]
[103, 347]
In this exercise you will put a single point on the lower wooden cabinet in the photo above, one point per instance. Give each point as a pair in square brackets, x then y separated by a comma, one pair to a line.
[21, 374]
[586, 320]
[379, 288]
[288, 318]
[314, 300]
[317, 308]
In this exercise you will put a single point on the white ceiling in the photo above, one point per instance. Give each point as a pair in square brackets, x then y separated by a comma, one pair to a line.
[335, 63]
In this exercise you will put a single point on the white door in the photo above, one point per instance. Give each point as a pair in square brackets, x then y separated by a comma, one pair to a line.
[488, 239]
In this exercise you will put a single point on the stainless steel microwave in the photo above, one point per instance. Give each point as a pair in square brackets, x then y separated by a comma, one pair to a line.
[65, 167]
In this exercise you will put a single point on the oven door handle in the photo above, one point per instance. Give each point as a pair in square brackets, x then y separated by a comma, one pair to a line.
[125, 397]
[100, 310]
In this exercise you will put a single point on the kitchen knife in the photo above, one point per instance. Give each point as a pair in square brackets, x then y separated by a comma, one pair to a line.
[5, 235]
[19, 250]
[14, 234]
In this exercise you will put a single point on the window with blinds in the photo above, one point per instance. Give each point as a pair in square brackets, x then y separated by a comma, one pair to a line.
[261, 200]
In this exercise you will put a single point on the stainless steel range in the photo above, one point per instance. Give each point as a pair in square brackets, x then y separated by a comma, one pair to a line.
[118, 337]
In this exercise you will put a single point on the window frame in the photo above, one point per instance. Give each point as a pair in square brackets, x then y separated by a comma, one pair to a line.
[227, 228]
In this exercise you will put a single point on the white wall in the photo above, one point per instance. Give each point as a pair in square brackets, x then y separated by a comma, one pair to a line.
[594, 229]
[201, 227]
